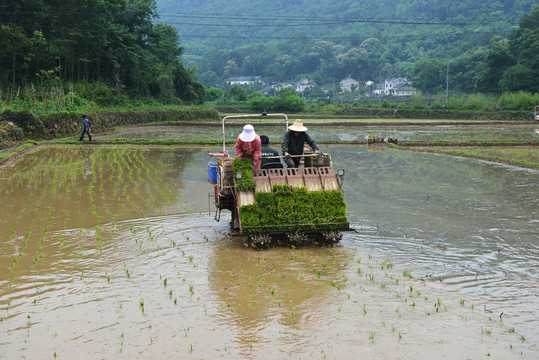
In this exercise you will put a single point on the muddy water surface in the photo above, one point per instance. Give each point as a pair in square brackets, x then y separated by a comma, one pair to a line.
[109, 252]
[353, 132]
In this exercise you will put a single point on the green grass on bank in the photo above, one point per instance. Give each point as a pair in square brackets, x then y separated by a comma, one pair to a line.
[514, 155]
[15, 150]
[526, 156]
[347, 120]
[329, 119]
[122, 141]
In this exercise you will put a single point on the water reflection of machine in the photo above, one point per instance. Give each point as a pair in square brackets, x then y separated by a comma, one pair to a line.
[290, 206]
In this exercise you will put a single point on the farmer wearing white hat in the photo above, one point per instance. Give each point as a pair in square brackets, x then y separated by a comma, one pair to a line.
[248, 146]
[293, 142]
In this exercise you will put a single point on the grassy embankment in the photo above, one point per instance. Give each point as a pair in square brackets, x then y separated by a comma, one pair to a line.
[511, 155]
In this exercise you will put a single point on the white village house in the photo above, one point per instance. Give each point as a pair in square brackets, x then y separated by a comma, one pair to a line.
[349, 84]
[280, 86]
[244, 80]
[273, 89]
[398, 87]
[304, 84]
[378, 89]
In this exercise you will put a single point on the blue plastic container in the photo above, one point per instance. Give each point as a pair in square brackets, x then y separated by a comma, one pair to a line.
[212, 172]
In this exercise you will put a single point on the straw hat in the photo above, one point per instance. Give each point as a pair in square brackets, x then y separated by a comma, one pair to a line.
[248, 134]
[298, 126]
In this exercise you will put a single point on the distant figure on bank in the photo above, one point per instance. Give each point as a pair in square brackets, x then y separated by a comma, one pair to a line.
[86, 130]
[267, 151]
[293, 142]
[248, 146]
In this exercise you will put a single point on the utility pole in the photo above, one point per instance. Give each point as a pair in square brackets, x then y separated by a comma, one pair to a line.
[447, 84]
[333, 89]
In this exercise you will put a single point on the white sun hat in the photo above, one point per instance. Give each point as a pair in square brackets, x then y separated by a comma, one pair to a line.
[248, 134]
[298, 126]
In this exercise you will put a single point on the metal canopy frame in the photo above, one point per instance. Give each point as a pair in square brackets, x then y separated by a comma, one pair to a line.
[249, 117]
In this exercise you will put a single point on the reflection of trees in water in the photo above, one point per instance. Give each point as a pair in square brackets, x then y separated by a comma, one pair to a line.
[276, 288]
[72, 187]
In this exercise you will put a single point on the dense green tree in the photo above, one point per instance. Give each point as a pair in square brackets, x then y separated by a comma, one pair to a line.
[518, 78]
[187, 88]
[112, 42]
[260, 103]
[429, 75]
[288, 101]
[513, 64]
[524, 43]
[285, 92]
[315, 92]
[212, 93]
[464, 69]
[13, 42]
[292, 103]
[209, 78]
[499, 58]
[238, 93]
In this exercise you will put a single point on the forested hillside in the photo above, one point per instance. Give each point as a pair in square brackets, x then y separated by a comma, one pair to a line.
[284, 40]
[106, 49]
[113, 51]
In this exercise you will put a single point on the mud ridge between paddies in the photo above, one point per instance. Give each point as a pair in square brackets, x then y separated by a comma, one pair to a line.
[462, 149]
[329, 122]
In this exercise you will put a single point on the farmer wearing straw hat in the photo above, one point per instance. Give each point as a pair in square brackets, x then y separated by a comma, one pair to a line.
[293, 143]
[248, 146]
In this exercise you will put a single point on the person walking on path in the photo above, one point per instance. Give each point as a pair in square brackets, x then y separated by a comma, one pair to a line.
[293, 142]
[86, 130]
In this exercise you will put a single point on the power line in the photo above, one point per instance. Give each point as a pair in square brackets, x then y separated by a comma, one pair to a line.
[165, 18]
[335, 23]
[244, 17]
[313, 21]
[274, 37]
[337, 37]
[326, 20]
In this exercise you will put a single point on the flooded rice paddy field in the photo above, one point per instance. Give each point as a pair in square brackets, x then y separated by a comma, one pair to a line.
[111, 252]
[352, 132]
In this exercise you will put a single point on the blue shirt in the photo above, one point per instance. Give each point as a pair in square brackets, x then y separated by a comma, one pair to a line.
[86, 123]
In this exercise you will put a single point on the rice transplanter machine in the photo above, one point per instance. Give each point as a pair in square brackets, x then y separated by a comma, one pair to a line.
[286, 206]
